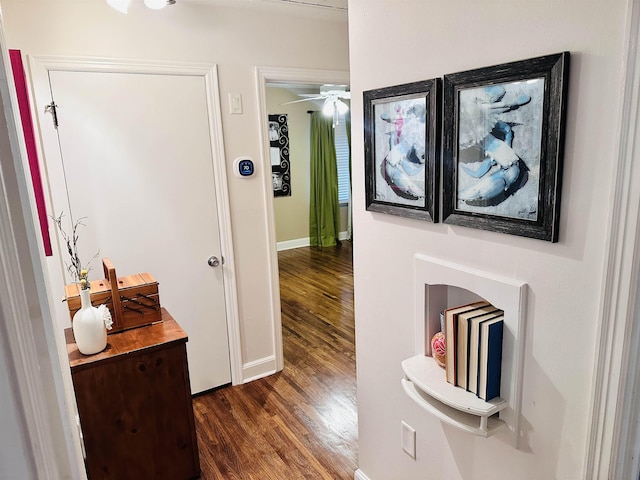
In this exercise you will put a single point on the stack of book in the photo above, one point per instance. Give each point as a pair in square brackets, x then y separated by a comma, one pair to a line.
[473, 336]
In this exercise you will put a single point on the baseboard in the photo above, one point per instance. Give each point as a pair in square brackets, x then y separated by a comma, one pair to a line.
[359, 475]
[304, 242]
[260, 368]
[343, 236]
[290, 244]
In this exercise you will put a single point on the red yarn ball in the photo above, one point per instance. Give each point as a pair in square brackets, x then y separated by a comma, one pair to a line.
[438, 348]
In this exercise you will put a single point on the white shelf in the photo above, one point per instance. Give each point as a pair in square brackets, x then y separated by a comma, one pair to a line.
[425, 383]
[439, 285]
[425, 373]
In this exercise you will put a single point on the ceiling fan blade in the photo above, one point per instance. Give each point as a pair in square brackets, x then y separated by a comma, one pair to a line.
[303, 100]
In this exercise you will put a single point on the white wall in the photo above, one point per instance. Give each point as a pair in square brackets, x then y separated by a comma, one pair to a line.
[425, 39]
[14, 461]
[237, 40]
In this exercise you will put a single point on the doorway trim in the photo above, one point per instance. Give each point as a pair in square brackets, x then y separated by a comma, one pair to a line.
[614, 434]
[40, 66]
[30, 343]
[266, 75]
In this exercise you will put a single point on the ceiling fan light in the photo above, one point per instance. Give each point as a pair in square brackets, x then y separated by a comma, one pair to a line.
[342, 107]
[120, 5]
[328, 108]
[155, 4]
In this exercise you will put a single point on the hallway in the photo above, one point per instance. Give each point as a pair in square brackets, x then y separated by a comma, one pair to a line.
[301, 422]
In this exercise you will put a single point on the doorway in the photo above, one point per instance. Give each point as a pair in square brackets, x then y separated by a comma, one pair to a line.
[264, 76]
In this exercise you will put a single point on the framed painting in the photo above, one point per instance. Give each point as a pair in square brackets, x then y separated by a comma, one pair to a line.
[402, 149]
[503, 146]
[279, 150]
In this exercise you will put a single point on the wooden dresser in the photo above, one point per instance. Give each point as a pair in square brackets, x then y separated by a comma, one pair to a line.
[134, 403]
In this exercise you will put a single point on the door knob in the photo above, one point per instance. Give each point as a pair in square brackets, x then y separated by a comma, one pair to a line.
[213, 261]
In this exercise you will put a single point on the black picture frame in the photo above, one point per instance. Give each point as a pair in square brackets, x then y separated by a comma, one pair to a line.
[503, 146]
[402, 155]
[279, 150]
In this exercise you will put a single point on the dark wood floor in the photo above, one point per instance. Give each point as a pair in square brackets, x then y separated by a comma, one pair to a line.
[301, 422]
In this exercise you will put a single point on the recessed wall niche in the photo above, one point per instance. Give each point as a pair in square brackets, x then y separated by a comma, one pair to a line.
[440, 285]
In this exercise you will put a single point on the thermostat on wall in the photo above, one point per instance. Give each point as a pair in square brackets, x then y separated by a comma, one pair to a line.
[243, 167]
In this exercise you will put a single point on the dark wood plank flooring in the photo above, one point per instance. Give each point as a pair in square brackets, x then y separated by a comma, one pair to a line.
[299, 423]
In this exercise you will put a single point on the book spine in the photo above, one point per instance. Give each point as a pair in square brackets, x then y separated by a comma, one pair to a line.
[472, 360]
[461, 353]
[450, 350]
[494, 361]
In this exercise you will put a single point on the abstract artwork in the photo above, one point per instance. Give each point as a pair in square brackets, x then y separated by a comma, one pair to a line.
[503, 138]
[402, 149]
[279, 151]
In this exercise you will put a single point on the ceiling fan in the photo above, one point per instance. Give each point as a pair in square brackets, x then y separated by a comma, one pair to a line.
[333, 96]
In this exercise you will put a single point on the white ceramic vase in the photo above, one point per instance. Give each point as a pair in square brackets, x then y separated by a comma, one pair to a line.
[88, 325]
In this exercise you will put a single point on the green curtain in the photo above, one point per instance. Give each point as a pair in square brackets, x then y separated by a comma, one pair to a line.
[324, 214]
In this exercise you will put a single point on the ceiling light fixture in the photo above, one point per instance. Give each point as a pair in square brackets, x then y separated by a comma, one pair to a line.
[341, 107]
[334, 107]
[123, 5]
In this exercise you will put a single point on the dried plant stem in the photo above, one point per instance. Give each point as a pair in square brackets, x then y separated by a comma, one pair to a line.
[74, 267]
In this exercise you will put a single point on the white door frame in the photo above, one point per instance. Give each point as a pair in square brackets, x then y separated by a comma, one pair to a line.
[266, 75]
[40, 66]
[34, 348]
[614, 446]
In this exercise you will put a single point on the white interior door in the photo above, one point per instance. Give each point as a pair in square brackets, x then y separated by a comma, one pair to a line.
[137, 162]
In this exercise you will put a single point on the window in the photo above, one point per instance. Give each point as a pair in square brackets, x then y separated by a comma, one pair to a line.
[342, 156]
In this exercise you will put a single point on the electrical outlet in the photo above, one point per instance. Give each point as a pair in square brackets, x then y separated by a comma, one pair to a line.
[408, 441]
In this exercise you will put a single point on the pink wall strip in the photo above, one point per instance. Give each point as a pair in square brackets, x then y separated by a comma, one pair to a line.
[29, 139]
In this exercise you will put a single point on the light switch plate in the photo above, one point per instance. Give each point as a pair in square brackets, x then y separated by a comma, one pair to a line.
[408, 440]
[235, 103]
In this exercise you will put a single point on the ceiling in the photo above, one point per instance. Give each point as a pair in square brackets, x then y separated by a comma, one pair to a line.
[301, 89]
[334, 4]
[337, 6]
[297, 88]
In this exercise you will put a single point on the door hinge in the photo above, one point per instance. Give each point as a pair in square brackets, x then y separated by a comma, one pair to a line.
[51, 108]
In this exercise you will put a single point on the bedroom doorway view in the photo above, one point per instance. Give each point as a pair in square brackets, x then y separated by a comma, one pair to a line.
[316, 282]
